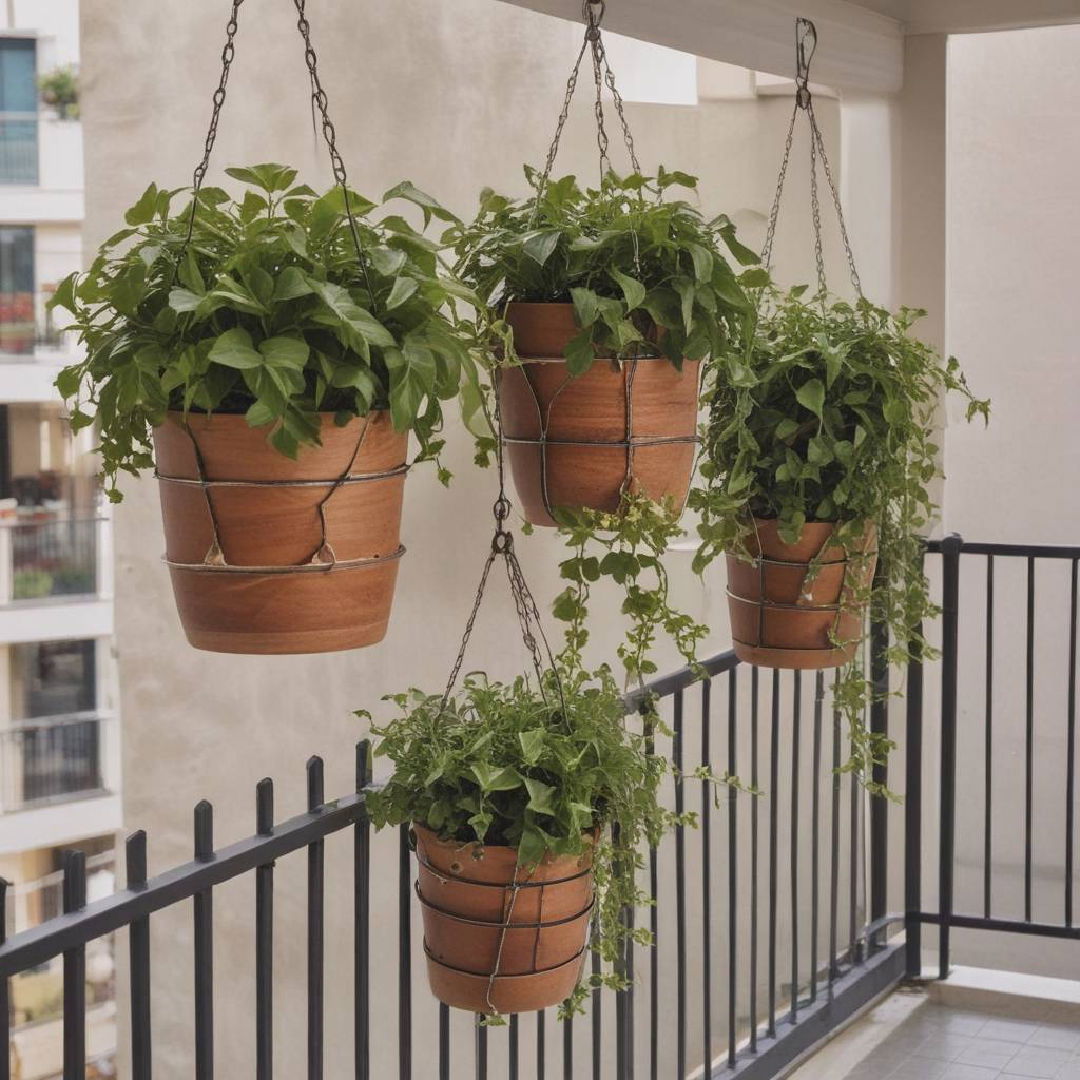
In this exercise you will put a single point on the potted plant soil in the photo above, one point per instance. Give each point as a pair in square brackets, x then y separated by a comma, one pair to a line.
[268, 356]
[601, 306]
[820, 459]
[511, 791]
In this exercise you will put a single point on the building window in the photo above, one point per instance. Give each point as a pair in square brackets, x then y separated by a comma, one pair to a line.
[17, 322]
[53, 678]
[18, 111]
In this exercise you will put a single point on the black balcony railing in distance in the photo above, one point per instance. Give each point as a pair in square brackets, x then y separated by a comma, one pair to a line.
[18, 148]
[53, 558]
[51, 759]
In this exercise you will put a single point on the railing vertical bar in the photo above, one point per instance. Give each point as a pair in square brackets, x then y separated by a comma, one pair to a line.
[854, 836]
[139, 953]
[361, 921]
[444, 1041]
[879, 774]
[597, 1018]
[733, 866]
[754, 693]
[950, 551]
[512, 1049]
[1070, 767]
[404, 955]
[774, 805]
[5, 995]
[1029, 736]
[203, 904]
[706, 874]
[568, 1049]
[680, 893]
[74, 889]
[988, 735]
[913, 751]
[815, 838]
[264, 938]
[316, 934]
[481, 1050]
[541, 1038]
[796, 721]
[627, 961]
[834, 844]
[654, 932]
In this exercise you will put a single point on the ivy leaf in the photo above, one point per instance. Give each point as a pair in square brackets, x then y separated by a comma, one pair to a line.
[579, 353]
[539, 246]
[143, 211]
[403, 289]
[811, 395]
[632, 289]
[532, 744]
[541, 797]
[585, 306]
[234, 349]
[284, 351]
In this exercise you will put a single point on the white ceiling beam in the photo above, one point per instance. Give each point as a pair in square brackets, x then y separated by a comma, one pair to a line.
[978, 16]
[858, 49]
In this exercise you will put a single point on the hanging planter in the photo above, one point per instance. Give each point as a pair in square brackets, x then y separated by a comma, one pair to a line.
[581, 441]
[270, 356]
[500, 936]
[269, 554]
[799, 605]
[600, 307]
[820, 456]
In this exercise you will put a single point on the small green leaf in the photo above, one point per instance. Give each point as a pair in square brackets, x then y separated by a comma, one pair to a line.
[143, 211]
[579, 353]
[539, 246]
[632, 289]
[234, 349]
[811, 395]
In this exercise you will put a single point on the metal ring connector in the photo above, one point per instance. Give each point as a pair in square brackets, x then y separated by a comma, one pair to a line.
[802, 96]
[502, 543]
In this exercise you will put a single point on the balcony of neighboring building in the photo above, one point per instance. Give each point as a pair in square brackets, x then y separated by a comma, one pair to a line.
[58, 744]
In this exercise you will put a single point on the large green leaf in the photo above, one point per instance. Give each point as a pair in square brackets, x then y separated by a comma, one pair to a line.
[234, 349]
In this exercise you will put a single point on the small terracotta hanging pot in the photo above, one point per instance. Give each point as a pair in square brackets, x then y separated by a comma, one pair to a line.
[783, 615]
[499, 937]
[273, 555]
[578, 442]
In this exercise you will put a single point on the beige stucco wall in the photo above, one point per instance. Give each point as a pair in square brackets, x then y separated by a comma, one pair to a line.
[1013, 320]
[453, 94]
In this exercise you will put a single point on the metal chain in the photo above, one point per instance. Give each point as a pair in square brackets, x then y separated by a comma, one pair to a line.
[319, 99]
[528, 613]
[805, 46]
[197, 177]
[592, 11]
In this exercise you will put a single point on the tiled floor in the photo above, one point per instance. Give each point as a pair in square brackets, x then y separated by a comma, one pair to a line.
[940, 1043]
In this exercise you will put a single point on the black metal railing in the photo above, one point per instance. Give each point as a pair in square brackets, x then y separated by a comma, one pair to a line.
[755, 957]
[1006, 813]
[53, 558]
[18, 148]
[51, 759]
[771, 922]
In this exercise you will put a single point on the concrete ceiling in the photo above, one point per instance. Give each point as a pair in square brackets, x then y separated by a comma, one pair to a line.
[860, 42]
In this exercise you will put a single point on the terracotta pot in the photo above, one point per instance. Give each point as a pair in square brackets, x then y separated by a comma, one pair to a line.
[278, 589]
[573, 442]
[494, 947]
[781, 616]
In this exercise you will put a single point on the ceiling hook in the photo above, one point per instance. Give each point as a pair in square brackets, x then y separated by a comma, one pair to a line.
[592, 11]
[805, 47]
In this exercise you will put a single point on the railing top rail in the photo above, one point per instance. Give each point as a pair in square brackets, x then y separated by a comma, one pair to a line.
[1024, 551]
[685, 677]
[89, 519]
[36, 946]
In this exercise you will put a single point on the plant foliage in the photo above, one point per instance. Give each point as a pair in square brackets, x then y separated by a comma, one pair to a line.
[825, 411]
[508, 764]
[267, 312]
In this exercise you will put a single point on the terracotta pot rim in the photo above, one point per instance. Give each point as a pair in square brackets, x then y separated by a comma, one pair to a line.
[454, 917]
[458, 879]
[487, 976]
[462, 845]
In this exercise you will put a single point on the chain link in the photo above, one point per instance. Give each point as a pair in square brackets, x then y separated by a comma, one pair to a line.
[319, 100]
[197, 177]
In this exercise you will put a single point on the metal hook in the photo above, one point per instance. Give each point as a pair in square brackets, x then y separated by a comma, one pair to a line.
[592, 11]
[805, 47]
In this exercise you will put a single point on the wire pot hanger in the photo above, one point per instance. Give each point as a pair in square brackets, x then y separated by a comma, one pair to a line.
[805, 45]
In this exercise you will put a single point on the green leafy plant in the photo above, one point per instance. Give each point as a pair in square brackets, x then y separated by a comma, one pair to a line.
[31, 584]
[60, 88]
[508, 764]
[824, 411]
[649, 276]
[268, 311]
